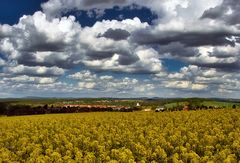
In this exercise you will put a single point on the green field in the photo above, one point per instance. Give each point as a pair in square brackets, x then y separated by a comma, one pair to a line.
[225, 104]
[219, 103]
[193, 136]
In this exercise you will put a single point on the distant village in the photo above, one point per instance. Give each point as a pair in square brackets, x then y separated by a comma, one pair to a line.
[11, 110]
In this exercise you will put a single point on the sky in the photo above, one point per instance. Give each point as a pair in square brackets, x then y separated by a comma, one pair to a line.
[120, 48]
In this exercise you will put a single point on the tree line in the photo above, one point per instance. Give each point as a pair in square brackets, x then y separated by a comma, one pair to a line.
[11, 110]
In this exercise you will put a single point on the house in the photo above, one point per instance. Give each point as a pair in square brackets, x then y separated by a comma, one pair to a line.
[137, 105]
[159, 109]
[186, 108]
[147, 110]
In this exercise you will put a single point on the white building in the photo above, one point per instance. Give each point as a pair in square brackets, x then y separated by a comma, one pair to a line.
[159, 109]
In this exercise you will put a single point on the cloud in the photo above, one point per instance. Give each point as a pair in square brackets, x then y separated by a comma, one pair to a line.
[191, 38]
[166, 9]
[106, 77]
[176, 50]
[2, 62]
[30, 80]
[34, 71]
[86, 85]
[121, 55]
[48, 59]
[99, 3]
[56, 7]
[5, 30]
[117, 34]
[31, 44]
[212, 57]
[36, 51]
[148, 62]
[227, 11]
[84, 75]
[108, 83]
[209, 80]
[39, 38]
[186, 85]
[37, 41]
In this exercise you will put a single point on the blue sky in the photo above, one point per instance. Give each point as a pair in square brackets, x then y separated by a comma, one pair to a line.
[12, 10]
[112, 48]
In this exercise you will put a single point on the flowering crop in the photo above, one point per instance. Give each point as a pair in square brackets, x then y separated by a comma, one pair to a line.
[194, 136]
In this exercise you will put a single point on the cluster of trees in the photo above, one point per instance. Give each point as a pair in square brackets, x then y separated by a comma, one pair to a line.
[202, 136]
[193, 106]
[11, 110]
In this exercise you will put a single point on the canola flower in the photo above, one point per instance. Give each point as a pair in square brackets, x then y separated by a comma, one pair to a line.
[194, 136]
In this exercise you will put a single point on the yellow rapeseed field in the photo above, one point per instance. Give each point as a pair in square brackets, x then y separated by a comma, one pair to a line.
[194, 136]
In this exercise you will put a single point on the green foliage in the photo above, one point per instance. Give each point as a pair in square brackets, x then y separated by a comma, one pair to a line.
[194, 136]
